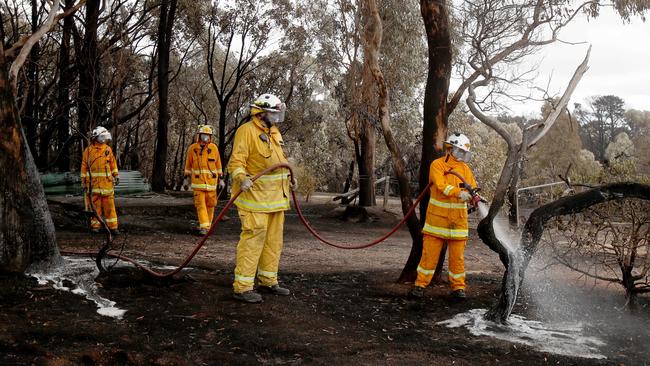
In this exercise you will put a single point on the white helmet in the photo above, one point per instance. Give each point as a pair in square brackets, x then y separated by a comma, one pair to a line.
[460, 146]
[271, 104]
[101, 134]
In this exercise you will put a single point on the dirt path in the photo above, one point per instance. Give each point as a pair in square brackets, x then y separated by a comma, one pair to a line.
[345, 307]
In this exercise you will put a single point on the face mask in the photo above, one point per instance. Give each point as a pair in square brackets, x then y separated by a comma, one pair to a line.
[274, 117]
[101, 139]
[205, 138]
[461, 155]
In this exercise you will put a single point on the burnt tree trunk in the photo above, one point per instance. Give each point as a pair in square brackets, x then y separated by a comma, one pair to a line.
[434, 131]
[165, 26]
[31, 103]
[222, 130]
[63, 94]
[89, 71]
[366, 162]
[534, 229]
[26, 229]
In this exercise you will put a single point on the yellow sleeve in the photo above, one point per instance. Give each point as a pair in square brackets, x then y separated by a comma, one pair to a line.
[114, 171]
[84, 167]
[239, 156]
[437, 176]
[218, 164]
[188, 161]
[470, 177]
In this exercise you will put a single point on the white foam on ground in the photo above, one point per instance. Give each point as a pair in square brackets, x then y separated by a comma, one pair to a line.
[562, 339]
[81, 272]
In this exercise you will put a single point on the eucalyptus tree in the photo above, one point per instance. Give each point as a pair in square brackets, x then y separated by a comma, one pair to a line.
[26, 228]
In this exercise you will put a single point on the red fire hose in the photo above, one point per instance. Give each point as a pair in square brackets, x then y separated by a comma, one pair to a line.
[202, 241]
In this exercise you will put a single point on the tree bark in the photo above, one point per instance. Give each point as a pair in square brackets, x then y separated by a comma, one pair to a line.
[165, 26]
[31, 105]
[63, 94]
[27, 234]
[434, 131]
[89, 71]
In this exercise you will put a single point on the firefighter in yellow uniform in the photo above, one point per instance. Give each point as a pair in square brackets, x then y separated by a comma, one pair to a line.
[446, 218]
[98, 176]
[203, 169]
[261, 205]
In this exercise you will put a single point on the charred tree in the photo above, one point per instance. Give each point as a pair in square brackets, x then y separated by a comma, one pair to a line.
[165, 27]
[31, 104]
[89, 69]
[536, 224]
[434, 131]
[63, 94]
[26, 229]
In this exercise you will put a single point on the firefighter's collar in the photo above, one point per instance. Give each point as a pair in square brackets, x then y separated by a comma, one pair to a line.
[262, 126]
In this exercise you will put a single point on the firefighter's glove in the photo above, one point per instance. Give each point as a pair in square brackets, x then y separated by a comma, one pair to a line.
[465, 196]
[293, 183]
[476, 199]
[116, 181]
[186, 183]
[246, 184]
[222, 184]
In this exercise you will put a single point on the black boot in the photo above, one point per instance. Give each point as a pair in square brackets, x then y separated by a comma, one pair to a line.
[416, 292]
[275, 289]
[251, 297]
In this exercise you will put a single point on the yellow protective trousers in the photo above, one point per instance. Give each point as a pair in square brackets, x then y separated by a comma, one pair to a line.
[431, 253]
[104, 207]
[205, 201]
[259, 248]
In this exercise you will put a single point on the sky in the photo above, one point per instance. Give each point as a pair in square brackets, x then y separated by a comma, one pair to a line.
[619, 63]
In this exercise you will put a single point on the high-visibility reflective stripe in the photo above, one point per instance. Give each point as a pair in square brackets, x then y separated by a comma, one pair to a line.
[447, 233]
[219, 171]
[111, 220]
[102, 191]
[114, 171]
[448, 204]
[205, 171]
[274, 177]
[447, 190]
[456, 275]
[244, 279]
[238, 171]
[187, 172]
[267, 273]
[204, 226]
[253, 205]
[96, 174]
[204, 186]
[426, 272]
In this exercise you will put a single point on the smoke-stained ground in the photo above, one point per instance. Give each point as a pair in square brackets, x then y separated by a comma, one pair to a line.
[345, 307]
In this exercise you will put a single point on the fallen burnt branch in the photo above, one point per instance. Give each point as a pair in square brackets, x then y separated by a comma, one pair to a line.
[534, 228]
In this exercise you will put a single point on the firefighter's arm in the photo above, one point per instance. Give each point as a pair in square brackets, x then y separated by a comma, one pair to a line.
[470, 178]
[113, 164]
[188, 162]
[239, 156]
[437, 176]
[218, 163]
[84, 169]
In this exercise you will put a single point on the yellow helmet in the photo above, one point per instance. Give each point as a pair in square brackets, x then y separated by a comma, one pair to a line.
[206, 129]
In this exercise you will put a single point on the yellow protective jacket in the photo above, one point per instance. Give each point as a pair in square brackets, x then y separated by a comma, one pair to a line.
[203, 164]
[446, 213]
[256, 148]
[98, 168]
